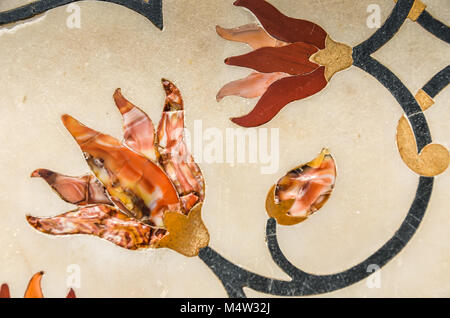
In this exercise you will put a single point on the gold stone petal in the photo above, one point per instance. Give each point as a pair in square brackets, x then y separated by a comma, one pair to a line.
[433, 159]
[317, 162]
[335, 57]
[424, 100]
[416, 10]
[280, 211]
[187, 234]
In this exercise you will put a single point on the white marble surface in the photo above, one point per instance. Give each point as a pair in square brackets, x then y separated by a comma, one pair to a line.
[47, 69]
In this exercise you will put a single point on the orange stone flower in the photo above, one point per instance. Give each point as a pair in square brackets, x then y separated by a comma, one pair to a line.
[34, 289]
[293, 59]
[303, 190]
[146, 191]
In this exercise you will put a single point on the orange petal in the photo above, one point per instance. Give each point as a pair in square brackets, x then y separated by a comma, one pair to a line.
[292, 59]
[175, 157]
[189, 201]
[4, 291]
[281, 93]
[80, 132]
[282, 27]
[76, 190]
[309, 185]
[139, 131]
[142, 186]
[103, 221]
[254, 85]
[252, 34]
[34, 287]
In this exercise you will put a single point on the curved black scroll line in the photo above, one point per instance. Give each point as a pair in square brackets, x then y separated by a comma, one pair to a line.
[434, 26]
[152, 9]
[235, 278]
[438, 82]
[387, 30]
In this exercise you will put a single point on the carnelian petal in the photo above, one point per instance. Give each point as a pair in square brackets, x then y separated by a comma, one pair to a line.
[76, 190]
[71, 294]
[252, 34]
[139, 132]
[142, 186]
[292, 59]
[174, 100]
[254, 85]
[189, 201]
[174, 155]
[282, 27]
[4, 291]
[309, 185]
[103, 221]
[281, 93]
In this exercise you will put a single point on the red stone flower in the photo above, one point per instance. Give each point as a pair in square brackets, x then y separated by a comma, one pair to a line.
[34, 289]
[293, 59]
[144, 192]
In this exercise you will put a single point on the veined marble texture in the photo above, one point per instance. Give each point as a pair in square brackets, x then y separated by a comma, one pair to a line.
[48, 69]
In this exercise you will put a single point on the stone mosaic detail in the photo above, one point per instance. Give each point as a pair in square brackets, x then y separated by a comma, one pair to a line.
[147, 191]
[33, 290]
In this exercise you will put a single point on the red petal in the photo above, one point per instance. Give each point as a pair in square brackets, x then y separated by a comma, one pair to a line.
[76, 190]
[281, 93]
[282, 27]
[71, 294]
[4, 291]
[100, 220]
[292, 59]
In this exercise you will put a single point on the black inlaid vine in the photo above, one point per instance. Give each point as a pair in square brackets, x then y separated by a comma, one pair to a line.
[235, 278]
[152, 10]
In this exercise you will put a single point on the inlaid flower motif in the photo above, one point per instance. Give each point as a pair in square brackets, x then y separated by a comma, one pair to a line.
[302, 191]
[34, 289]
[144, 192]
[293, 59]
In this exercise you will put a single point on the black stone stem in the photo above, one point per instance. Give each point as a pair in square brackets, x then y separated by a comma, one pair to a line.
[434, 26]
[235, 278]
[151, 10]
